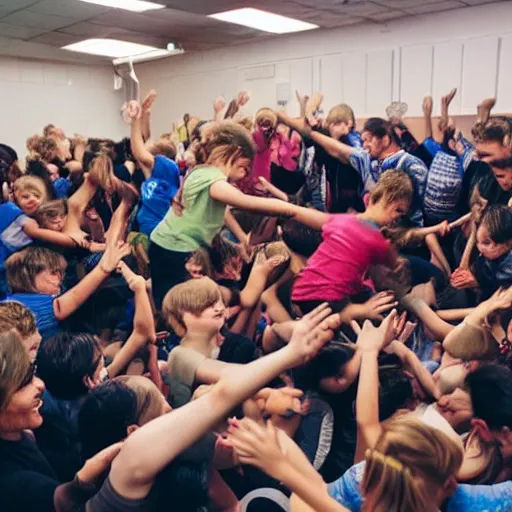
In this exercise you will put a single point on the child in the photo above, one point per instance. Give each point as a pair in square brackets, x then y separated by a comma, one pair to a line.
[450, 161]
[351, 245]
[34, 278]
[226, 151]
[493, 267]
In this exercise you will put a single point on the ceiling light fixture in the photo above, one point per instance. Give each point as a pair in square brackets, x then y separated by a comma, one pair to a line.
[129, 5]
[117, 49]
[263, 20]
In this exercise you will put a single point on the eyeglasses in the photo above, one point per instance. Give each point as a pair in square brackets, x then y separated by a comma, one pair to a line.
[29, 377]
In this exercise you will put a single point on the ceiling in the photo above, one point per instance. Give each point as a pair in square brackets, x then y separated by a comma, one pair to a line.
[38, 28]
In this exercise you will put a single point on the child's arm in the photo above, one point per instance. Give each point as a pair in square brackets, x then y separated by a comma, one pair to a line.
[235, 228]
[427, 116]
[445, 105]
[438, 257]
[141, 459]
[144, 158]
[147, 103]
[31, 228]
[143, 322]
[227, 194]
[69, 302]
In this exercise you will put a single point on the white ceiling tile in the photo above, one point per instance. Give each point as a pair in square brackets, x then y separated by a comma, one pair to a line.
[85, 29]
[17, 32]
[56, 39]
[31, 19]
[444, 6]
[478, 2]
[404, 4]
[69, 9]
[359, 9]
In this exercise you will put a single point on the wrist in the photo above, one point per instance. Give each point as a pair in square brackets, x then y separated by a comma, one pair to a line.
[369, 352]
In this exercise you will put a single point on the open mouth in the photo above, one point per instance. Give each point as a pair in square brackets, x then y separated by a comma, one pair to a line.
[38, 404]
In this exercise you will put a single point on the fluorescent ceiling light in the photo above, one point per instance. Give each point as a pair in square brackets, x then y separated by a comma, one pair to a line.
[129, 5]
[262, 20]
[114, 48]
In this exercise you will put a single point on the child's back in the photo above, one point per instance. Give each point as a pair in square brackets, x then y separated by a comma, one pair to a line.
[337, 269]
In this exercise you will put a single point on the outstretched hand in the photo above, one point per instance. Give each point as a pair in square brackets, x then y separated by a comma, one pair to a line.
[373, 339]
[131, 111]
[148, 101]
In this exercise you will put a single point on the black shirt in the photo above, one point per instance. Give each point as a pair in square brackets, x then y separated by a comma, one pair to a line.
[27, 481]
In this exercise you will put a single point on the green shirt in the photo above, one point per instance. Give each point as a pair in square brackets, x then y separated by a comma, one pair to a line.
[202, 217]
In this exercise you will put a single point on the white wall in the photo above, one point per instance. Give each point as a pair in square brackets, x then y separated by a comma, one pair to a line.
[78, 98]
[367, 66]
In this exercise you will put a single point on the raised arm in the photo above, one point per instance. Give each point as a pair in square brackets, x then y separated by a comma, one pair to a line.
[229, 195]
[427, 116]
[147, 103]
[141, 459]
[69, 302]
[144, 158]
[143, 322]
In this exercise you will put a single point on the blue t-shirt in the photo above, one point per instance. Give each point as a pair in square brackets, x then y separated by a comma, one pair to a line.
[12, 236]
[496, 498]
[157, 193]
[42, 307]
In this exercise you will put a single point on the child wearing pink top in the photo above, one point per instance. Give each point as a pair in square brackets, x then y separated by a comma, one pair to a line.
[351, 245]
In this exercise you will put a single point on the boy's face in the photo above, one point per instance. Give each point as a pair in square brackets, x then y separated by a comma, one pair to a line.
[48, 282]
[489, 151]
[503, 177]
[338, 130]
[489, 249]
[28, 200]
[31, 344]
[56, 223]
[212, 319]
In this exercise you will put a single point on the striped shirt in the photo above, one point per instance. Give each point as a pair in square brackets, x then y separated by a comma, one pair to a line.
[370, 171]
[444, 180]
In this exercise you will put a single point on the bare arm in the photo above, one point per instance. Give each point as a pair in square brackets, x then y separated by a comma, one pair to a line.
[141, 459]
[143, 322]
[31, 228]
[227, 194]
[144, 158]
[427, 116]
[235, 228]
[69, 302]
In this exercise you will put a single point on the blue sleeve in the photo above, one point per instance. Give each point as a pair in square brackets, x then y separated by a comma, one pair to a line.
[432, 146]
[360, 160]
[346, 490]
[61, 187]
[167, 170]
[495, 498]
[354, 139]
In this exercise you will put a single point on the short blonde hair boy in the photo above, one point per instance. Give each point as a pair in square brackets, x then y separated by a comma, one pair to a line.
[341, 113]
[193, 297]
[393, 185]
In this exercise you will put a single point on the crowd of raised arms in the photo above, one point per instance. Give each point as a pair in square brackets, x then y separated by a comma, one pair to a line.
[258, 314]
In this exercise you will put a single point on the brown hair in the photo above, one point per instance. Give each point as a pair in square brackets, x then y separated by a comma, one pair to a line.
[50, 210]
[164, 146]
[22, 267]
[267, 115]
[47, 130]
[149, 399]
[193, 296]
[495, 130]
[14, 366]
[341, 114]
[43, 148]
[221, 142]
[16, 316]
[32, 184]
[393, 186]
[408, 465]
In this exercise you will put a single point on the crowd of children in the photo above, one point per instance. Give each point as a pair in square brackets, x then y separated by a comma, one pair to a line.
[258, 314]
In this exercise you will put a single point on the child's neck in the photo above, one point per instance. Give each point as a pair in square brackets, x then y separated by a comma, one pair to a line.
[297, 262]
[370, 215]
[200, 341]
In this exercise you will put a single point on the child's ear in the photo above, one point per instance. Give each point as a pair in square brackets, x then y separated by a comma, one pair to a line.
[130, 429]
[482, 429]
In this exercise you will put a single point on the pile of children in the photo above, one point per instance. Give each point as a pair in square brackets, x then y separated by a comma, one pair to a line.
[258, 314]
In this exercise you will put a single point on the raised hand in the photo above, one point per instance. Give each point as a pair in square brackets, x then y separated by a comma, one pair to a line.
[148, 101]
[310, 334]
[373, 339]
[131, 111]
[443, 228]
[113, 254]
[427, 106]
[378, 304]
[219, 105]
[134, 281]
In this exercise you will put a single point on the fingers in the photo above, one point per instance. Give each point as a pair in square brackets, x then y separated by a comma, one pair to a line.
[355, 327]
[317, 312]
[107, 455]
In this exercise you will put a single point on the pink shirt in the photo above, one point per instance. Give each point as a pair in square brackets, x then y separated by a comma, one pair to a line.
[337, 269]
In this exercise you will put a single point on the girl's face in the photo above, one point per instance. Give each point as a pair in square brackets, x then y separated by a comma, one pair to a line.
[456, 408]
[48, 282]
[22, 411]
[56, 223]
[239, 168]
[28, 200]
[31, 344]
[53, 171]
[389, 212]
[489, 249]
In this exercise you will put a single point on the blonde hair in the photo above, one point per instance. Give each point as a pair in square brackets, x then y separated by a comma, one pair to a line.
[409, 464]
[14, 366]
[194, 297]
[22, 267]
[393, 186]
[32, 184]
[50, 210]
[266, 114]
[164, 146]
[341, 114]
[149, 399]
[15, 316]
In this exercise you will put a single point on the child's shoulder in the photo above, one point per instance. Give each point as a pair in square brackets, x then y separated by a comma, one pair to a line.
[9, 212]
